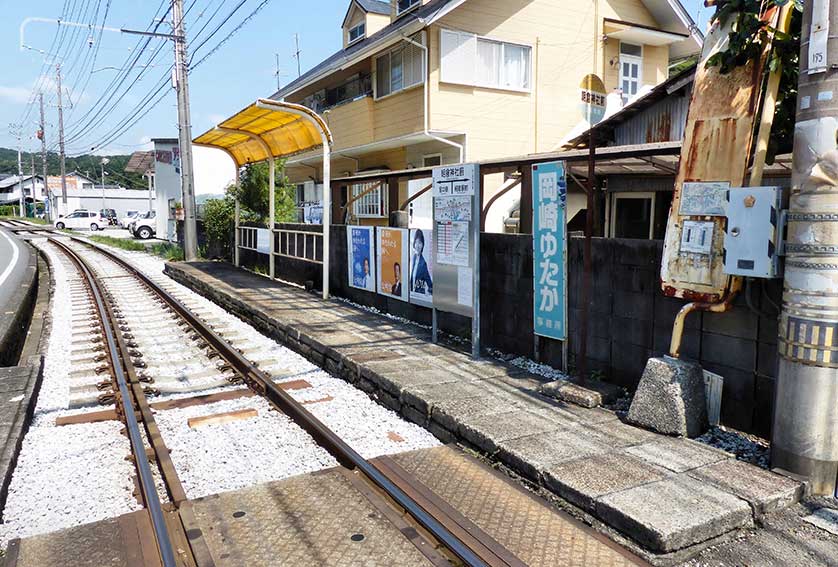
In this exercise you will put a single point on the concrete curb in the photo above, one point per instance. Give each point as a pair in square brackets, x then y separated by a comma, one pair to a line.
[12, 328]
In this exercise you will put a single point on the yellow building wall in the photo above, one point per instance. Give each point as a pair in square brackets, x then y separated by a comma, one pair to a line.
[564, 38]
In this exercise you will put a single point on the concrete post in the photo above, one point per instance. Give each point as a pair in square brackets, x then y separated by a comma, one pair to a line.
[805, 429]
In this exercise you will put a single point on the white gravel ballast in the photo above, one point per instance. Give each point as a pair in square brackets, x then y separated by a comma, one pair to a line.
[213, 458]
[72, 474]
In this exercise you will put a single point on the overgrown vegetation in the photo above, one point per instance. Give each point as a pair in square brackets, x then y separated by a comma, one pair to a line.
[170, 252]
[253, 193]
[747, 39]
[33, 220]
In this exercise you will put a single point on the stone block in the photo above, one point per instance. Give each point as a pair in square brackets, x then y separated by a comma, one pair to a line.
[584, 480]
[673, 513]
[424, 397]
[534, 454]
[621, 434]
[670, 398]
[592, 394]
[763, 490]
[487, 430]
[678, 455]
[451, 413]
[394, 376]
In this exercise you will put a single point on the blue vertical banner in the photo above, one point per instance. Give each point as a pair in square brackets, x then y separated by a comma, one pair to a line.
[549, 224]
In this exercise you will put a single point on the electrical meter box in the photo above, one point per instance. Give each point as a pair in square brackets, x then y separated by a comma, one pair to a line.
[753, 234]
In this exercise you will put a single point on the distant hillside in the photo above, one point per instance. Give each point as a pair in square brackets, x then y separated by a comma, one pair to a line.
[87, 164]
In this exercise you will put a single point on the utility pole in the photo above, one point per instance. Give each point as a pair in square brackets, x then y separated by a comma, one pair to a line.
[32, 179]
[17, 130]
[297, 54]
[804, 436]
[278, 84]
[190, 236]
[61, 141]
[42, 134]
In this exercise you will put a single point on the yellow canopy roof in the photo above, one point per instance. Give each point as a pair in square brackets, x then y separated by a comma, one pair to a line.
[267, 128]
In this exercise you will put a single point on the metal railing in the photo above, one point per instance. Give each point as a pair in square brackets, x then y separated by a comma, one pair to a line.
[248, 237]
[299, 245]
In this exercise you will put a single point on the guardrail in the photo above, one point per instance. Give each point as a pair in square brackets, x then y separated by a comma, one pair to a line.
[248, 237]
[299, 245]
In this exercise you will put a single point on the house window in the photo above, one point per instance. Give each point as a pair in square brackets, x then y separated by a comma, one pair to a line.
[431, 160]
[357, 32]
[399, 69]
[371, 205]
[631, 69]
[300, 193]
[470, 60]
[632, 215]
[403, 6]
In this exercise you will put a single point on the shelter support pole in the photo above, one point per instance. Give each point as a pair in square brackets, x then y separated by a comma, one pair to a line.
[236, 222]
[525, 220]
[272, 217]
[327, 211]
[804, 436]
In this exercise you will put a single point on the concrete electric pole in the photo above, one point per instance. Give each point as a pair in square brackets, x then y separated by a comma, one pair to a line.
[190, 236]
[805, 429]
[17, 130]
[42, 134]
[61, 141]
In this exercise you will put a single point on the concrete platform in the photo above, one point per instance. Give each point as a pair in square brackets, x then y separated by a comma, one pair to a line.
[475, 403]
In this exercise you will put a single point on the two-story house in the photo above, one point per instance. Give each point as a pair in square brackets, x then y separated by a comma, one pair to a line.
[420, 83]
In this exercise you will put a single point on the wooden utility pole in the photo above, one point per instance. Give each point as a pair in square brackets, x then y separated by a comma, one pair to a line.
[42, 134]
[61, 141]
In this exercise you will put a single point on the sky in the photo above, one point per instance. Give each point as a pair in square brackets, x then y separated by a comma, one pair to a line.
[101, 119]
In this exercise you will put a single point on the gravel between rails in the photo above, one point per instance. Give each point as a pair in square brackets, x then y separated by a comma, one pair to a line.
[215, 458]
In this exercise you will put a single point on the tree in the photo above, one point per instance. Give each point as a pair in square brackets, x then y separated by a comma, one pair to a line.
[254, 193]
[746, 41]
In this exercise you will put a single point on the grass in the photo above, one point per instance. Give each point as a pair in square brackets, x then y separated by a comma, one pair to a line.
[171, 252]
[32, 220]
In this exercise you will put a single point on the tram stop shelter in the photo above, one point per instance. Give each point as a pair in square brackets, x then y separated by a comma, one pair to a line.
[268, 130]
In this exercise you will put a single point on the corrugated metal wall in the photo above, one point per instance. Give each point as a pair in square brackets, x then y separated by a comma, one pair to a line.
[664, 121]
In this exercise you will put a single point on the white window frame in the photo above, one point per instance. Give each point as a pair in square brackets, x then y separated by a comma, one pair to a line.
[473, 82]
[614, 202]
[413, 4]
[426, 156]
[631, 60]
[349, 40]
[373, 205]
[419, 38]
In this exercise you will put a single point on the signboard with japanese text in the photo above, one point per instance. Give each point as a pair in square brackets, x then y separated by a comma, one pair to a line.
[360, 248]
[592, 99]
[549, 188]
[392, 262]
[456, 216]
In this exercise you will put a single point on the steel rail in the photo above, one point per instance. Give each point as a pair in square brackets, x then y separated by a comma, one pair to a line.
[147, 484]
[325, 437]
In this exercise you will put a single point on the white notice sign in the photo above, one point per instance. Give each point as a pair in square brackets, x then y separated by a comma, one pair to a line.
[452, 243]
[464, 285]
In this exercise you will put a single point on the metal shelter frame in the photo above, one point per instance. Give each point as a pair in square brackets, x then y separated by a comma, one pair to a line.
[267, 130]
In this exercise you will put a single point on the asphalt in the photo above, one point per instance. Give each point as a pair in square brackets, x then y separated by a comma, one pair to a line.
[663, 497]
[14, 260]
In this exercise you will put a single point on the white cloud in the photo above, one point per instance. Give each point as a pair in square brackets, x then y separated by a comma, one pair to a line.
[15, 95]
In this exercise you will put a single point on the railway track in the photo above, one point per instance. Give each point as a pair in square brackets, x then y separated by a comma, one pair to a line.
[136, 314]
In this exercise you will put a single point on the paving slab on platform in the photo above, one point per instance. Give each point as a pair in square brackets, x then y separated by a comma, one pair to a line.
[475, 402]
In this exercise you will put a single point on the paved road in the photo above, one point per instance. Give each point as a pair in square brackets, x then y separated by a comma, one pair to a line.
[14, 258]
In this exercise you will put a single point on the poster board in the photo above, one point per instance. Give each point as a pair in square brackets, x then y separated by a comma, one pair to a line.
[393, 261]
[456, 238]
[421, 280]
[361, 257]
[549, 188]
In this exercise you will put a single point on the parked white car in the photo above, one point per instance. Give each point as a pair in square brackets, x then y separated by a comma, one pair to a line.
[144, 226]
[126, 221]
[81, 219]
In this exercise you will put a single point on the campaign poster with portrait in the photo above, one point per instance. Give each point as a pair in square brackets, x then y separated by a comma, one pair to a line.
[421, 278]
[361, 261]
[392, 262]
